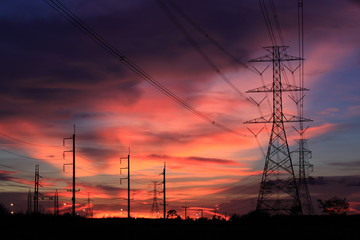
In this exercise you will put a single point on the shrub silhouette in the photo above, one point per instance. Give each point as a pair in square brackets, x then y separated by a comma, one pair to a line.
[334, 205]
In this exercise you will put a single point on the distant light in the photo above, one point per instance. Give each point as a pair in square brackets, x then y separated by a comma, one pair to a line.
[11, 204]
[11, 212]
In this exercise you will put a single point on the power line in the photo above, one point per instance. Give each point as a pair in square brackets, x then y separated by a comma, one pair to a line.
[13, 168]
[73, 19]
[182, 13]
[207, 59]
[22, 156]
[165, 7]
[267, 22]
[28, 143]
[24, 171]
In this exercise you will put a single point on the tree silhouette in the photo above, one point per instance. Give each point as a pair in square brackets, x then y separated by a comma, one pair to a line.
[334, 205]
[171, 214]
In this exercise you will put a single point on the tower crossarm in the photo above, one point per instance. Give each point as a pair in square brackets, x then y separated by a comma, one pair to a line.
[286, 119]
[284, 88]
[262, 119]
[292, 118]
[281, 51]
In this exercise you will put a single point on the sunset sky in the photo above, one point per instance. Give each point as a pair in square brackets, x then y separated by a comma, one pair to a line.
[53, 76]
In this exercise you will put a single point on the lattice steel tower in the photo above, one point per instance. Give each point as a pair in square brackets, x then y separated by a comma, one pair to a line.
[279, 193]
[155, 204]
[303, 152]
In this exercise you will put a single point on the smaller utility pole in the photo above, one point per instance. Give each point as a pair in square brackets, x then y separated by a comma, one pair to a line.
[29, 197]
[73, 164]
[56, 203]
[129, 185]
[185, 207]
[128, 179]
[164, 189]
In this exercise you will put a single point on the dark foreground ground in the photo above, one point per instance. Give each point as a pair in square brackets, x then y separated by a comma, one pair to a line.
[247, 227]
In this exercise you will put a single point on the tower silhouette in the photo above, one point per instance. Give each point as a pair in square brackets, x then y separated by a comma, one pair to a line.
[303, 152]
[36, 189]
[155, 204]
[279, 193]
[304, 166]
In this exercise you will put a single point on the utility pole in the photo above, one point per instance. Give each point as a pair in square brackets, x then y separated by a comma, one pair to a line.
[279, 193]
[73, 213]
[164, 189]
[56, 203]
[128, 179]
[29, 197]
[36, 190]
[128, 185]
[185, 209]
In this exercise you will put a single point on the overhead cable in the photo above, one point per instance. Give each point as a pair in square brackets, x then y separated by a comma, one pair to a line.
[207, 59]
[72, 18]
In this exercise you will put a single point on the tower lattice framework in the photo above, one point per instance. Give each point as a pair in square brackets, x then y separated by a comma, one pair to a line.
[155, 204]
[304, 166]
[279, 193]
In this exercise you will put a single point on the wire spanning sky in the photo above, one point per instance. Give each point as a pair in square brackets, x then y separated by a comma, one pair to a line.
[53, 76]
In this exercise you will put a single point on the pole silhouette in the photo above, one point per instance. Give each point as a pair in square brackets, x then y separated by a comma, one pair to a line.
[164, 189]
[128, 179]
[73, 171]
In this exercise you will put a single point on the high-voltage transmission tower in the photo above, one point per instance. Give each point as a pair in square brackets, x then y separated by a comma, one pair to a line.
[89, 209]
[155, 203]
[279, 193]
[304, 153]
